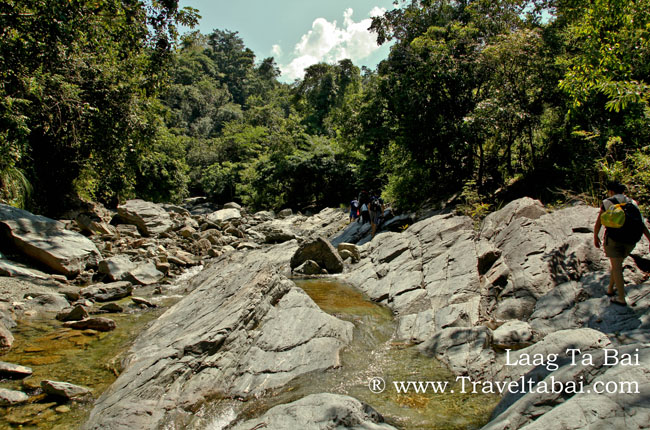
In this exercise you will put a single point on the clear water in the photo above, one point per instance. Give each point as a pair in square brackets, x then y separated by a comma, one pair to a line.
[373, 353]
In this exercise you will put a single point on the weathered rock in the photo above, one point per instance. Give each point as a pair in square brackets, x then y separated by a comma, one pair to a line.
[9, 268]
[145, 274]
[12, 397]
[243, 329]
[49, 302]
[116, 268]
[319, 411]
[128, 230]
[108, 292]
[150, 218]
[94, 224]
[284, 213]
[309, 267]
[466, 351]
[224, 215]
[275, 233]
[64, 389]
[75, 313]
[587, 406]
[97, 323]
[14, 371]
[232, 205]
[320, 251]
[351, 248]
[521, 208]
[187, 232]
[143, 302]
[6, 338]
[46, 241]
[513, 334]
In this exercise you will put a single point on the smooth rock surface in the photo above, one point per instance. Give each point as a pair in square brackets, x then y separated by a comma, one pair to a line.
[150, 218]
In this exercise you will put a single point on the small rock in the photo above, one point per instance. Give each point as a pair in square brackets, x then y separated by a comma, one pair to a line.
[75, 313]
[63, 409]
[142, 301]
[309, 267]
[6, 338]
[351, 248]
[12, 397]
[163, 267]
[112, 308]
[99, 324]
[64, 389]
[285, 213]
[15, 371]
[108, 292]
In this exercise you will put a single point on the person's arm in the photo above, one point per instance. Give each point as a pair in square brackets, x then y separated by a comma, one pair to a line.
[597, 229]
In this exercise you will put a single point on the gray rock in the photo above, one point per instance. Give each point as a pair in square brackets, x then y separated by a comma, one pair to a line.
[466, 351]
[264, 215]
[243, 329]
[12, 397]
[75, 313]
[513, 334]
[309, 267]
[108, 292]
[224, 215]
[284, 213]
[117, 268]
[14, 371]
[97, 323]
[94, 224]
[232, 205]
[145, 274]
[46, 241]
[150, 218]
[50, 302]
[319, 411]
[64, 389]
[521, 208]
[320, 251]
[586, 407]
[9, 268]
[128, 230]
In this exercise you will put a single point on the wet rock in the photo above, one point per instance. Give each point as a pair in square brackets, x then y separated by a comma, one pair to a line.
[117, 268]
[320, 251]
[108, 292]
[46, 241]
[75, 313]
[14, 371]
[143, 302]
[12, 397]
[49, 302]
[466, 351]
[150, 218]
[319, 411]
[64, 389]
[97, 323]
[111, 308]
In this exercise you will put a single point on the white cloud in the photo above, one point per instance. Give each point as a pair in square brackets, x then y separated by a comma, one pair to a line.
[276, 50]
[327, 42]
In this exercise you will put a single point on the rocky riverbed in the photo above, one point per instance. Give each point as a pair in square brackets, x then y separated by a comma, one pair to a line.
[518, 302]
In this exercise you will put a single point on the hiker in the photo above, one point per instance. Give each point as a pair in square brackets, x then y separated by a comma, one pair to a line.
[354, 210]
[376, 213]
[364, 204]
[619, 241]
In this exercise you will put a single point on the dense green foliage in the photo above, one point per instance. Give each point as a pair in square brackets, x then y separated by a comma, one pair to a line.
[484, 99]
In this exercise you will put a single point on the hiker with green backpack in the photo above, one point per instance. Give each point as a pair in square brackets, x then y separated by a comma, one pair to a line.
[624, 226]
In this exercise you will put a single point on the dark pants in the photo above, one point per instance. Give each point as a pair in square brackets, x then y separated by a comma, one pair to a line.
[365, 217]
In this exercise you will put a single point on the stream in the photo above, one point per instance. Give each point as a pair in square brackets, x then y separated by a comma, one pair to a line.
[91, 359]
[373, 353]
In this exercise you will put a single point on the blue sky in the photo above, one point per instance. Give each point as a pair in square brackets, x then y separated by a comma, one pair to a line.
[298, 33]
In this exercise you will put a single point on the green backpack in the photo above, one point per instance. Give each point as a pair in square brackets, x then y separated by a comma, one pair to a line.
[614, 216]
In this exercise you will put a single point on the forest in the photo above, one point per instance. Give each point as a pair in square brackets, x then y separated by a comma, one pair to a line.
[485, 100]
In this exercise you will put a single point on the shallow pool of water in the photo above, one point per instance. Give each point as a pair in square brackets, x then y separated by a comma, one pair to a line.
[372, 354]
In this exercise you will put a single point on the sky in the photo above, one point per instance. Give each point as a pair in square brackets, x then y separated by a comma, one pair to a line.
[298, 33]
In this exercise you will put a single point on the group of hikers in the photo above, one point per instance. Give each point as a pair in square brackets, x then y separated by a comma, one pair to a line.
[367, 208]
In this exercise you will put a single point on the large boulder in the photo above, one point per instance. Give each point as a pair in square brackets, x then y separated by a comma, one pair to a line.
[241, 330]
[47, 241]
[150, 218]
[319, 411]
[116, 268]
[320, 251]
[223, 215]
